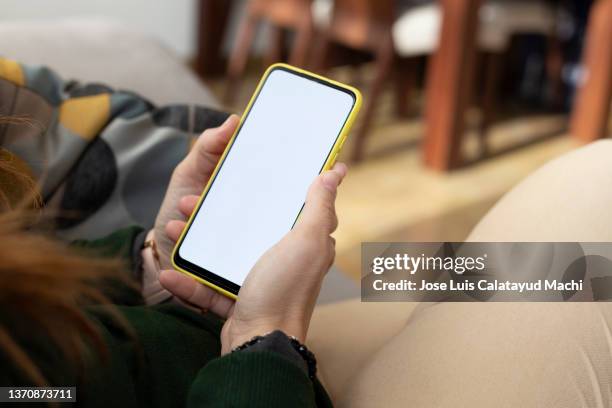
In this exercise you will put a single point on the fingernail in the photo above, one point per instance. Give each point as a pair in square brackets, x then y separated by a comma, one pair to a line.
[330, 181]
[342, 168]
[230, 118]
[226, 121]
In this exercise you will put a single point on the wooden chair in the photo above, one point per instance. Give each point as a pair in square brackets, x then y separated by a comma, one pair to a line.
[281, 15]
[392, 34]
[591, 112]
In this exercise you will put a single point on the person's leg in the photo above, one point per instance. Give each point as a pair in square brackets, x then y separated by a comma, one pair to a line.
[493, 355]
[568, 199]
[510, 354]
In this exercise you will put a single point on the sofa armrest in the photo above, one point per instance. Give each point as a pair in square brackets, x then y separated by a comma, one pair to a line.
[105, 52]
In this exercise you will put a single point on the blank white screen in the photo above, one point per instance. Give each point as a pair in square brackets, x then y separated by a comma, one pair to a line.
[262, 184]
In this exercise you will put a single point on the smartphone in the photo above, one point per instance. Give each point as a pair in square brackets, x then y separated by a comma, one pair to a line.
[292, 130]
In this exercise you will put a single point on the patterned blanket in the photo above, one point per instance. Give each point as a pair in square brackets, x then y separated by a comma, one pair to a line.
[103, 157]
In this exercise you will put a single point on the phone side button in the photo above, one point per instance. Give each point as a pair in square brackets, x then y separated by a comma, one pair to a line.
[333, 160]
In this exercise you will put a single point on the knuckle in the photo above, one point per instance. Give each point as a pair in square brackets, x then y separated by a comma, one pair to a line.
[334, 222]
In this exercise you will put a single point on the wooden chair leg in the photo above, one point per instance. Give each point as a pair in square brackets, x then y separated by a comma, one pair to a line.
[479, 65]
[239, 57]
[591, 109]
[301, 47]
[492, 68]
[383, 64]
[277, 44]
[554, 68]
[405, 77]
[213, 19]
[320, 60]
[449, 84]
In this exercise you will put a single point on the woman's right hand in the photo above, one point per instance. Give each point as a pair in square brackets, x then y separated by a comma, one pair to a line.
[281, 290]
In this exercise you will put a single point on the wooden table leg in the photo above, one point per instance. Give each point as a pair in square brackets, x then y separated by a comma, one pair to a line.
[449, 83]
[592, 105]
[213, 16]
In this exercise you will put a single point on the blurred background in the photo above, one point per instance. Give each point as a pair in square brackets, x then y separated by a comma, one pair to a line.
[462, 98]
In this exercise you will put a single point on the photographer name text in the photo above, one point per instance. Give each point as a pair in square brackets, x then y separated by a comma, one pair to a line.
[482, 284]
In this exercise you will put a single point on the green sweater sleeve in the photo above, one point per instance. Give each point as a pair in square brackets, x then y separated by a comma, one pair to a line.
[175, 362]
[124, 244]
[257, 379]
[165, 356]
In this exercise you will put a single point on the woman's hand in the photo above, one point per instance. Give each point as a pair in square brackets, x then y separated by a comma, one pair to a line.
[190, 178]
[281, 290]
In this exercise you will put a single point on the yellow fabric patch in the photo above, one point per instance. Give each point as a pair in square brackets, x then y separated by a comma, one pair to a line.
[11, 71]
[85, 116]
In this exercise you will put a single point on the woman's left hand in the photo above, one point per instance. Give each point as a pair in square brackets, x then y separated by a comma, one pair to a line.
[190, 178]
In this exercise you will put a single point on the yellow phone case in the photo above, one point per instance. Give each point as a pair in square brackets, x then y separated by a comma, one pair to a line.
[331, 159]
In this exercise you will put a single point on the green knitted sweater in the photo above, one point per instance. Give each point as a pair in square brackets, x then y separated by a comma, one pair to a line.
[171, 359]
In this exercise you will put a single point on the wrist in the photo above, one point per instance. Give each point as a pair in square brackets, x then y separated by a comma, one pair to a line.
[237, 336]
[286, 346]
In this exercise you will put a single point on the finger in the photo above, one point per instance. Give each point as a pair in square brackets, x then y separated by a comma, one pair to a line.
[174, 229]
[187, 204]
[191, 291]
[209, 146]
[319, 214]
[215, 140]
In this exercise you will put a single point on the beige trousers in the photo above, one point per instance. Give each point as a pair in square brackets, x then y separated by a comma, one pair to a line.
[487, 354]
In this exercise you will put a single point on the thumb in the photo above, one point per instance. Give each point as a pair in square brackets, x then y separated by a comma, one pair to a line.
[207, 149]
[319, 212]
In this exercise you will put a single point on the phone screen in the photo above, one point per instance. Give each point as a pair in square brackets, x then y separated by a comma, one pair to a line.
[261, 186]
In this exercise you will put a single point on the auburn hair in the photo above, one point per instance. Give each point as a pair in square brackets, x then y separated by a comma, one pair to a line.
[44, 283]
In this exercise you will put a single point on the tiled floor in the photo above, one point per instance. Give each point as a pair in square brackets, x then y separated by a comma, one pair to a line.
[390, 196]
